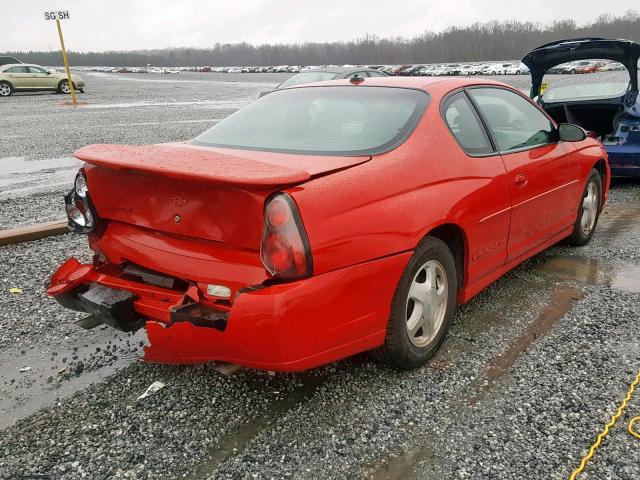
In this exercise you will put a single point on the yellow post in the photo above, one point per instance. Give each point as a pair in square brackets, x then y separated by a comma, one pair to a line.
[66, 63]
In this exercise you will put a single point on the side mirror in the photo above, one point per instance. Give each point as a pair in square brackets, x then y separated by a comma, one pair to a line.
[567, 132]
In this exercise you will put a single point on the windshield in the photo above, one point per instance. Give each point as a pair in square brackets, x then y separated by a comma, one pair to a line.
[307, 77]
[590, 81]
[340, 120]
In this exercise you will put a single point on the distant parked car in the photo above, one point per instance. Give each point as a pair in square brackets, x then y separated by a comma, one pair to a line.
[466, 70]
[323, 74]
[26, 77]
[497, 69]
[611, 67]
[591, 68]
[518, 69]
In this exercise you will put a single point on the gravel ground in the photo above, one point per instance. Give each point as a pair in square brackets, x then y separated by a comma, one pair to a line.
[527, 377]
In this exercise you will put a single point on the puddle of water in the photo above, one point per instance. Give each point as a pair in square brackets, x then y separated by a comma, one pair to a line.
[400, 467]
[621, 276]
[20, 165]
[234, 442]
[20, 177]
[25, 392]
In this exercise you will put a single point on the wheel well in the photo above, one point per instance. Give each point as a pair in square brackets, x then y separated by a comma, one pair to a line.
[600, 166]
[454, 237]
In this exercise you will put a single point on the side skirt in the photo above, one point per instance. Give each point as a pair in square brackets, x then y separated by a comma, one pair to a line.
[466, 294]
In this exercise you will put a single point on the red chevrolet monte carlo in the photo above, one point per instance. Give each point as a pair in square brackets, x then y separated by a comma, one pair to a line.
[325, 220]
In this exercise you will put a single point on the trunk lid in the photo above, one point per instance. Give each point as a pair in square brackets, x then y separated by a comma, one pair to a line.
[542, 58]
[208, 193]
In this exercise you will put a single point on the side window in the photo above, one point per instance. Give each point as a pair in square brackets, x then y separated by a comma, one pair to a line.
[465, 125]
[514, 122]
[18, 70]
[376, 74]
[37, 70]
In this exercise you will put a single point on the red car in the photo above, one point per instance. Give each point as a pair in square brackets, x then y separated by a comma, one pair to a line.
[325, 220]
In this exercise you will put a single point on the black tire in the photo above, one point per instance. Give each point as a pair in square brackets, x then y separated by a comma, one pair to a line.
[3, 91]
[60, 84]
[579, 236]
[398, 350]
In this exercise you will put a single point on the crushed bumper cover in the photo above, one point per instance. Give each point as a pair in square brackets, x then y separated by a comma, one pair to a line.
[287, 327]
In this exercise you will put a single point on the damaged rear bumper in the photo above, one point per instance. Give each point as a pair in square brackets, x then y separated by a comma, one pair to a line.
[287, 327]
[126, 304]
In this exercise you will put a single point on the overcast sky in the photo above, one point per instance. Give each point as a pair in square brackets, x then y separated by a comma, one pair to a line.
[143, 24]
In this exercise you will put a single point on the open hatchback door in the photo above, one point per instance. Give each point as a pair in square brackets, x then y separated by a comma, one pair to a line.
[605, 102]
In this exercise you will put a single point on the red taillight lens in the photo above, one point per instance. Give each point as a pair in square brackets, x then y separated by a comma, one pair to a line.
[284, 249]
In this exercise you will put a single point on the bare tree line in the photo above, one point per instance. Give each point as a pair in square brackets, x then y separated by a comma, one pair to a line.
[494, 40]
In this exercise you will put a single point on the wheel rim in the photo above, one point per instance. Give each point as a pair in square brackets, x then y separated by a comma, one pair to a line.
[64, 86]
[4, 89]
[426, 303]
[589, 208]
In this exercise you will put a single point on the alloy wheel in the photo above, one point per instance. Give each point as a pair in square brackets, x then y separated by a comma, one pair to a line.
[5, 90]
[426, 303]
[64, 87]
[589, 208]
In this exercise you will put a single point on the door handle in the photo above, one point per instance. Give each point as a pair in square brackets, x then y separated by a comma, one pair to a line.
[521, 180]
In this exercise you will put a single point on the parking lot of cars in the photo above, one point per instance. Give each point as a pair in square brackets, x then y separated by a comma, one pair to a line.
[509, 67]
[531, 370]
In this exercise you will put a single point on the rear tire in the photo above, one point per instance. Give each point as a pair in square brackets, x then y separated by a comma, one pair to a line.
[5, 89]
[588, 211]
[422, 307]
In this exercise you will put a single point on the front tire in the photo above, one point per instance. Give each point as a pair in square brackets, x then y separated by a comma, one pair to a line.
[588, 211]
[5, 89]
[63, 87]
[422, 307]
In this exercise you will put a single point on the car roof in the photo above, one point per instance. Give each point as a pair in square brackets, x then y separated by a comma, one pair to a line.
[7, 65]
[420, 83]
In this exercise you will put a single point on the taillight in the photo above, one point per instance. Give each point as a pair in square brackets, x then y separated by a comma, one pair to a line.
[284, 249]
[80, 214]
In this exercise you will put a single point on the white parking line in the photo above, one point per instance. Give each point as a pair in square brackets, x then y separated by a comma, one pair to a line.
[216, 103]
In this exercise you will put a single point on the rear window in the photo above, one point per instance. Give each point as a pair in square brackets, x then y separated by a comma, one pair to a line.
[307, 77]
[607, 82]
[340, 120]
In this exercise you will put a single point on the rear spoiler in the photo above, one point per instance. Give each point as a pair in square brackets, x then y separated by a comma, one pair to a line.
[186, 163]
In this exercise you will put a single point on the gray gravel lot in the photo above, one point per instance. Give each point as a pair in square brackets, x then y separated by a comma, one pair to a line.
[529, 374]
